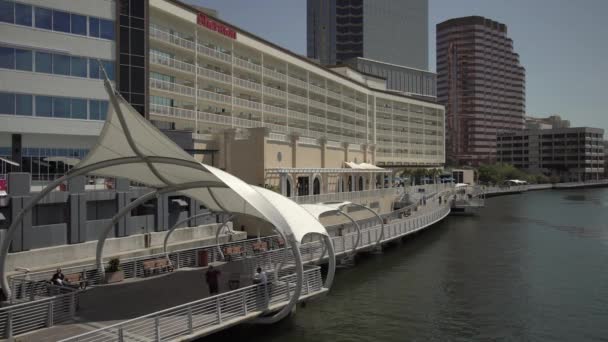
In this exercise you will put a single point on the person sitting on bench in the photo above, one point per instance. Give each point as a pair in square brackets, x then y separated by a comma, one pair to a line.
[58, 278]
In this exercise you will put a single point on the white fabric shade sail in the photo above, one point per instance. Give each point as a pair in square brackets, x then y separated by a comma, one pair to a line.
[156, 161]
[317, 210]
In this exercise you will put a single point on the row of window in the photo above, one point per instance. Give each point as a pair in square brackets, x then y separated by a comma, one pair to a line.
[53, 63]
[52, 106]
[55, 20]
[47, 152]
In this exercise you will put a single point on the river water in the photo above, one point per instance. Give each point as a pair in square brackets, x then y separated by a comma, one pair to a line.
[530, 267]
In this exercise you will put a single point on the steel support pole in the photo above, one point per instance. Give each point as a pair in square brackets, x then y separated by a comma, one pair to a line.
[170, 231]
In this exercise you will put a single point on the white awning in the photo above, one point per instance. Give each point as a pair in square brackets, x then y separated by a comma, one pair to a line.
[362, 166]
[149, 157]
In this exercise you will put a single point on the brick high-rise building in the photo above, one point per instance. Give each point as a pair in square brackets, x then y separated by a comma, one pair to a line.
[482, 85]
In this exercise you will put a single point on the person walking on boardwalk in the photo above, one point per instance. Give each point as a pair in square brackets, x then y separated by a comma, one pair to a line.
[212, 278]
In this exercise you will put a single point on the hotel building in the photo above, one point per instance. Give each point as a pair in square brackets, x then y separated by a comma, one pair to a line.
[482, 85]
[230, 98]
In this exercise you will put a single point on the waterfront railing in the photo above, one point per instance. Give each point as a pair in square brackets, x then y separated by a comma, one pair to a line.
[43, 313]
[194, 318]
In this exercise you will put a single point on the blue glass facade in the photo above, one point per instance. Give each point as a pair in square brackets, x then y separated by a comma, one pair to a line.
[52, 106]
[53, 63]
[55, 20]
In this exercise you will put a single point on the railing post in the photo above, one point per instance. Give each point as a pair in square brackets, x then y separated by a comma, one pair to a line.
[190, 327]
[177, 260]
[121, 336]
[218, 304]
[49, 318]
[287, 292]
[9, 324]
[73, 304]
[157, 328]
[244, 303]
[307, 284]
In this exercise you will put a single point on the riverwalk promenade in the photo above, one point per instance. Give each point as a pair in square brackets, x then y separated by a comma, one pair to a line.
[176, 306]
[491, 191]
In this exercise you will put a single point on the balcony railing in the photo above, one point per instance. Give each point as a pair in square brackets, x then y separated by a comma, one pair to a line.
[317, 89]
[274, 92]
[298, 99]
[298, 82]
[218, 55]
[294, 114]
[274, 74]
[213, 96]
[165, 36]
[159, 59]
[275, 110]
[172, 87]
[247, 65]
[247, 84]
[180, 113]
[212, 74]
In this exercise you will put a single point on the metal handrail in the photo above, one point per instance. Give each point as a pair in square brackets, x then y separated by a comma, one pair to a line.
[38, 312]
[43, 313]
[186, 319]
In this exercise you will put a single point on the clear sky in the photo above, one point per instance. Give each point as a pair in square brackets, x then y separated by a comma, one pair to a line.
[563, 44]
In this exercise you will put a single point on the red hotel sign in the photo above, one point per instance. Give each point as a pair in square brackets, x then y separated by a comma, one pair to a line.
[213, 25]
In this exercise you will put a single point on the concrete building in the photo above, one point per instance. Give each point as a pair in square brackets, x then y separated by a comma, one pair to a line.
[552, 121]
[482, 85]
[402, 79]
[572, 154]
[391, 31]
[203, 80]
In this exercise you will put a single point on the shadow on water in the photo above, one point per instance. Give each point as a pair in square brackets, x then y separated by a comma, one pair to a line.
[368, 266]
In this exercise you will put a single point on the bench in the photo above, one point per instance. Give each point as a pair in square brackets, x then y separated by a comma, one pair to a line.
[231, 251]
[154, 265]
[76, 279]
[260, 246]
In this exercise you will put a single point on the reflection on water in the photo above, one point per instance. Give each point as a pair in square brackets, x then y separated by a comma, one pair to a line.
[530, 267]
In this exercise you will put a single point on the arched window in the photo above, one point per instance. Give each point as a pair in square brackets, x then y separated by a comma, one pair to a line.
[360, 183]
[288, 185]
[316, 186]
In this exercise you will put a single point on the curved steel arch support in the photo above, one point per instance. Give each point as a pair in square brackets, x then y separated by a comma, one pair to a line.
[331, 269]
[381, 237]
[106, 230]
[16, 221]
[354, 250]
[295, 297]
[170, 231]
[219, 231]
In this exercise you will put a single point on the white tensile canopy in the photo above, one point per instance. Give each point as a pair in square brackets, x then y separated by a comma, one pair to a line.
[158, 162]
[319, 209]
